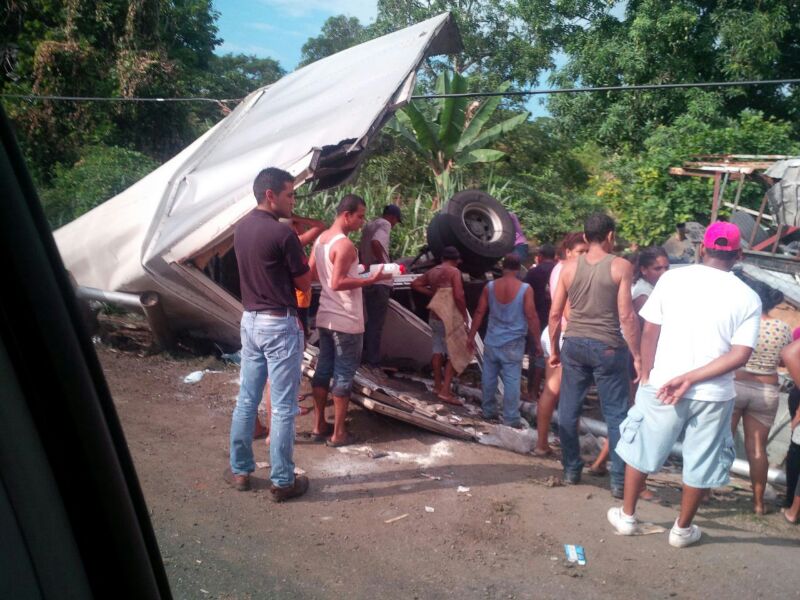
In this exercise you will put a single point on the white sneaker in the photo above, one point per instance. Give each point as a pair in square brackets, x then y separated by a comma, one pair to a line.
[624, 524]
[680, 538]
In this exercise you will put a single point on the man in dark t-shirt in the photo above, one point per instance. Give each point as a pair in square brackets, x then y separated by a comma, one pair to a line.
[539, 279]
[271, 266]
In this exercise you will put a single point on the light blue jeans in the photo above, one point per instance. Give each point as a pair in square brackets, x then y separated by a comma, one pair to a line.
[504, 362]
[271, 347]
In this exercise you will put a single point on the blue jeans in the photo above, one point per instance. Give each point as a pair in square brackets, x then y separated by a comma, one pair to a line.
[271, 347]
[505, 362]
[339, 358]
[584, 360]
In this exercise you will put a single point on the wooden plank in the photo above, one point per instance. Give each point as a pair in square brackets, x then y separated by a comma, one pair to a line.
[783, 230]
[414, 419]
[385, 398]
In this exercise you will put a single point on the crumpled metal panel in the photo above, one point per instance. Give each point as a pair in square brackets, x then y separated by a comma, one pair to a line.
[784, 196]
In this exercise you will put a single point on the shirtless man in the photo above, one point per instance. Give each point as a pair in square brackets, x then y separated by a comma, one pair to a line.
[445, 275]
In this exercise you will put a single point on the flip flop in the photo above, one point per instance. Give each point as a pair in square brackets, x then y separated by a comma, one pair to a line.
[597, 472]
[788, 520]
[347, 441]
[542, 453]
[310, 436]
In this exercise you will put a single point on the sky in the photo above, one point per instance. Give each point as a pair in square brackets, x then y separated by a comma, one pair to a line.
[279, 28]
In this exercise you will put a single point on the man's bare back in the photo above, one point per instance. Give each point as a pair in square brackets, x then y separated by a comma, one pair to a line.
[441, 276]
[506, 289]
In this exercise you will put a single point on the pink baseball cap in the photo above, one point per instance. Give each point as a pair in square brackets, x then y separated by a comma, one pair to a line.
[722, 235]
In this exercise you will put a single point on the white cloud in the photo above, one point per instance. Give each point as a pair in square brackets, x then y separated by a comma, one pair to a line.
[269, 27]
[254, 49]
[365, 10]
[262, 26]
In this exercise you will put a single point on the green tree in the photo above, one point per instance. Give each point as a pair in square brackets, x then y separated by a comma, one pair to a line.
[677, 41]
[648, 202]
[106, 48]
[452, 132]
[100, 173]
[236, 75]
[338, 33]
[504, 40]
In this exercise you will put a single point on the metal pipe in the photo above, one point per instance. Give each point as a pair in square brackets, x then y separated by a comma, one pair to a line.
[119, 298]
[739, 467]
[148, 302]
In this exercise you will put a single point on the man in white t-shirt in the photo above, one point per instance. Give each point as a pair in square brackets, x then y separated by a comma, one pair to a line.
[701, 324]
[374, 250]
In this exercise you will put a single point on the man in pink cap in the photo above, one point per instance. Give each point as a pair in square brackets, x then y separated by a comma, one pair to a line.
[701, 324]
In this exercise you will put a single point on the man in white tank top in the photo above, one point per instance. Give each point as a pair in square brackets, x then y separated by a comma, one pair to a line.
[340, 317]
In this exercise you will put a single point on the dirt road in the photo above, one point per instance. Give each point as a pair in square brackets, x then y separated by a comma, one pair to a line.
[501, 539]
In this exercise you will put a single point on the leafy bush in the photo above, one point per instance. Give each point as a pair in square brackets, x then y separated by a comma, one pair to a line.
[647, 201]
[101, 173]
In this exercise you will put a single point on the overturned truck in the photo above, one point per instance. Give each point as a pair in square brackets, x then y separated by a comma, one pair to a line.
[171, 232]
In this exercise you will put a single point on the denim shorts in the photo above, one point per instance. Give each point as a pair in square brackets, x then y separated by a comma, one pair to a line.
[438, 336]
[651, 429]
[339, 358]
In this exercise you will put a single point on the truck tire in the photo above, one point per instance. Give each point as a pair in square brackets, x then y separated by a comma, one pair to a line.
[438, 234]
[480, 224]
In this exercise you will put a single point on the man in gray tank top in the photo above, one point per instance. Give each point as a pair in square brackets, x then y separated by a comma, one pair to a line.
[598, 287]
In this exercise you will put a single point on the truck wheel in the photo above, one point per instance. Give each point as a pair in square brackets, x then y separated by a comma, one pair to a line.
[480, 224]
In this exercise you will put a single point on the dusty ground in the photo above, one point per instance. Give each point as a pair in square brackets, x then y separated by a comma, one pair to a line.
[502, 539]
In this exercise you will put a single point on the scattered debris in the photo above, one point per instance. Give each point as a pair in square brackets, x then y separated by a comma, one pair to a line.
[575, 554]
[551, 481]
[429, 509]
[521, 441]
[462, 489]
[395, 519]
[194, 377]
[646, 529]
[235, 358]
[429, 476]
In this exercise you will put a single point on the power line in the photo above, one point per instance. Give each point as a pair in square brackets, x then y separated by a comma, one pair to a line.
[544, 91]
[117, 98]
[612, 88]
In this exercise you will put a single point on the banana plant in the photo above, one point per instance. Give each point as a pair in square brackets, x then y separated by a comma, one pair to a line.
[451, 132]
